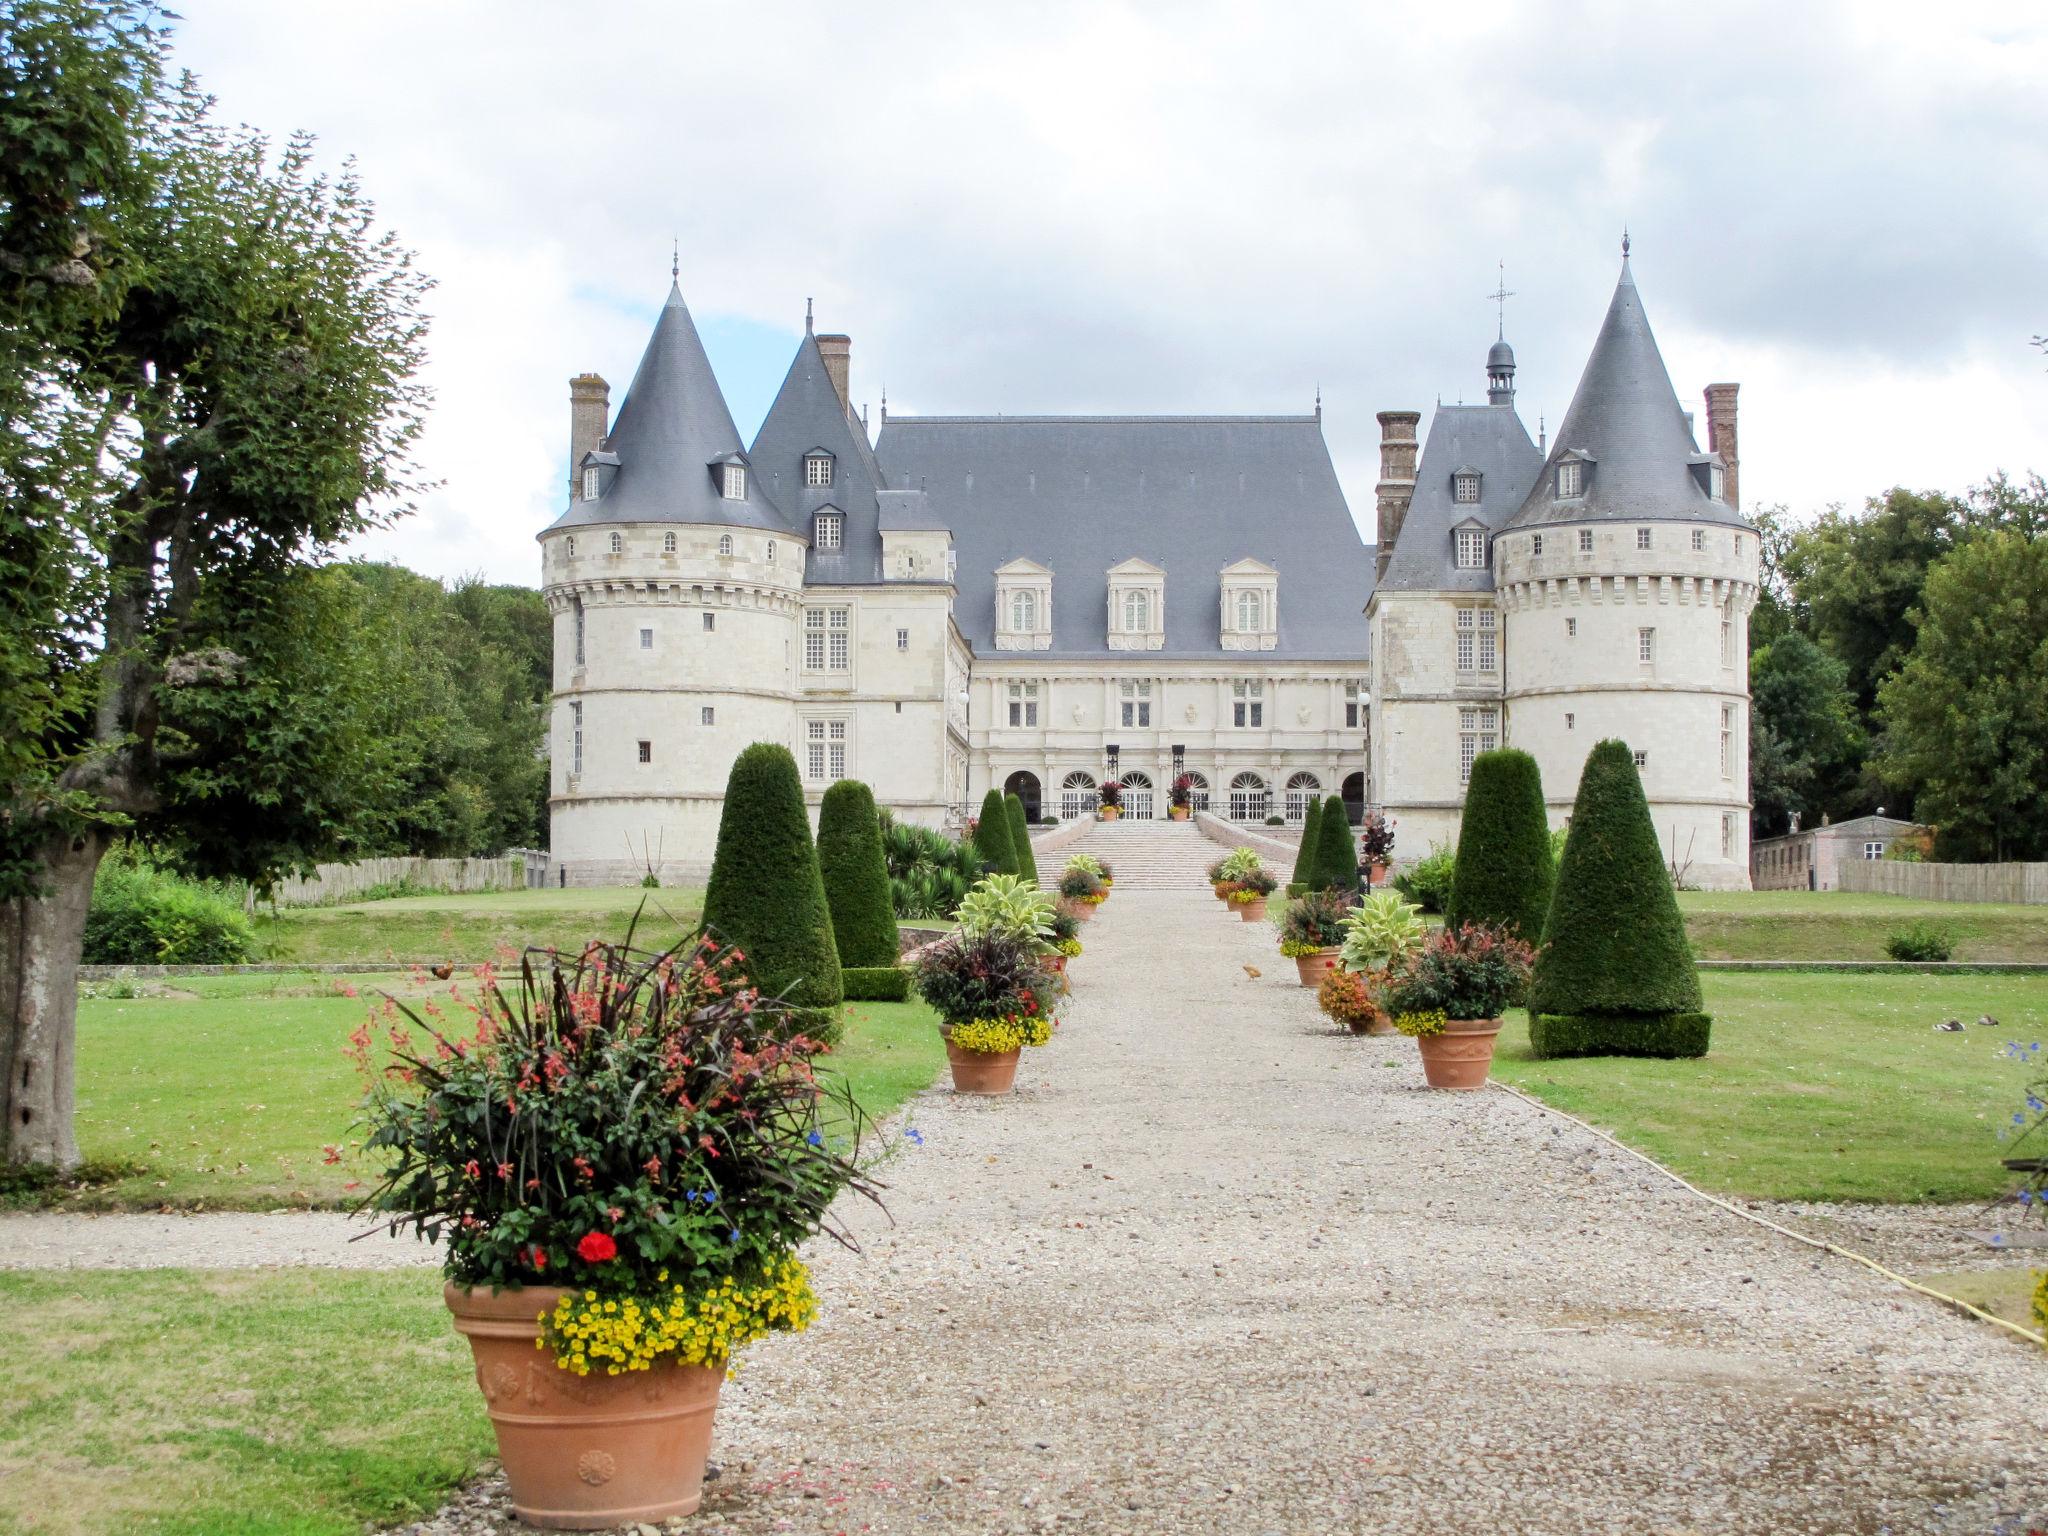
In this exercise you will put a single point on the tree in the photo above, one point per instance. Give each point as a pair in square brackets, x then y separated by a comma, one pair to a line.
[992, 836]
[766, 895]
[856, 876]
[1615, 976]
[1020, 838]
[1307, 850]
[1336, 865]
[210, 382]
[1504, 871]
[1966, 717]
[1776, 611]
[1805, 744]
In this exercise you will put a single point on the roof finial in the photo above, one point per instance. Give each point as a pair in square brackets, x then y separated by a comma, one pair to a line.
[1624, 242]
[807, 317]
[885, 405]
[1500, 296]
[1319, 400]
[675, 258]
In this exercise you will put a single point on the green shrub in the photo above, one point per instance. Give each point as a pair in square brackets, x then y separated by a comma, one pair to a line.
[766, 894]
[856, 876]
[992, 838]
[1276, 821]
[1020, 840]
[1668, 1035]
[1503, 874]
[1336, 865]
[1311, 843]
[1923, 942]
[876, 983]
[1614, 943]
[141, 915]
[929, 872]
[1427, 882]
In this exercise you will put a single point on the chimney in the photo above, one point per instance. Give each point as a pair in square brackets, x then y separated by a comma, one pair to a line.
[838, 354]
[589, 410]
[1721, 433]
[1397, 480]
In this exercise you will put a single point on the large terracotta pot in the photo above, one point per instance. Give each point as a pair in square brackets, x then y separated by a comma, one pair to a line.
[1376, 874]
[1251, 911]
[1221, 891]
[585, 1453]
[1057, 964]
[1460, 1056]
[1075, 907]
[989, 1072]
[1111, 812]
[1313, 967]
[1177, 812]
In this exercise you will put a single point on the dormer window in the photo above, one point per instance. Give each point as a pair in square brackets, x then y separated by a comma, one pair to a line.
[1023, 612]
[1471, 549]
[1137, 612]
[1137, 606]
[1571, 478]
[735, 488]
[1023, 604]
[830, 527]
[1717, 482]
[590, 484]
[1251, 612]
[1465, 487]
[1250, 620]
[817, 469]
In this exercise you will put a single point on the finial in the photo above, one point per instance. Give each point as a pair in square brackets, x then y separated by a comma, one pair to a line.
[1542, 437]
[1500, 296]
[1319, 400]
[807, 317]
[885, 405]
[675, 258]
[1624, 242]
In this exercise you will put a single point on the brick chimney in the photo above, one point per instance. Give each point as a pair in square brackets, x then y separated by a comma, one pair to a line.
[1397, 480]
[1721, 433]
[838, 354]
[589, 410]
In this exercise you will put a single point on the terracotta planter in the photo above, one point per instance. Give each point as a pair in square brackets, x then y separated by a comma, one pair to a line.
[1221, 893]
[1460, 1056]
[585, 1453]
[1111, 812]
[1177, 812]
[1251, 911]
[1380, 1025]
[1057, 964]
[1376, 874]
[1312, 968]
[1074, 907]
[987, 1072]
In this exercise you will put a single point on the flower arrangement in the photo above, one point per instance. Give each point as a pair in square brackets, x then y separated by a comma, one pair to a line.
[1087, 861]
[1105, 873]
[1182, 792]
[1079, 885]
[995, 1036]
[1348, 998]
[1375, 839]
[1380, 932]
[979, 980]
[1314, 922]
[1255, 884]
[640, 1127]
[1474, 971]
[1416, 1025]
[1112, 793]
[1011, 906]
[1066, 933]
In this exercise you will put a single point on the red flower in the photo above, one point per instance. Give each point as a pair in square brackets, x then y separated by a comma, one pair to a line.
[540, 1257]
[596, 1248]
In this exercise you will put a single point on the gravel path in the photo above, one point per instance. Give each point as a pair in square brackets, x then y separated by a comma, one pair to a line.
[210, 1240]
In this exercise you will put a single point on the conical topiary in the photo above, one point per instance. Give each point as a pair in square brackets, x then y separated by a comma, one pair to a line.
[856, 876]
[766, 896]
[1020, 839]
[992, 835]
[1336, 865]
[1504, 872]
[1311, 830]
[1615, 976]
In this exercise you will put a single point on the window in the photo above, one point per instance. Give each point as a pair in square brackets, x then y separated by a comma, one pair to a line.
[1536, 544]
[615, 543]
[571, 551]
[1078, 797]
[1646, 646]
[1478, 731]
[1251, 612]
[1699, 539]
[579, 631]
[1717, 482]
[1727, 741]
[1249, 798]
[827, 632]
[590, 485]
[818, 469]
[646, 639]
[1642, 538]
[576, 737]
[771, 551]
[668, 543]
[1247, 702]
[1023, 612]
[1571, 721]
[829, 530]
[1465, 489]
[725, 543]
[707, 715]
[1355, 705]
[1727, 835]
[1471, 549]
[1571, 478]
[1478, 640]
[1585, 541]
[646, 751]
[1727, 643]
[825, 750]
[1137, 612]
[1738, 544]
[1023, 704]
[902, 639]
[1873, 850]
[1642, 758]
[1137, 702]
[735, 487]
[1571, 629]
[711, 621]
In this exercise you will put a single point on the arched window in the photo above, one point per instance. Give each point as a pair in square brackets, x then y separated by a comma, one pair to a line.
[1137, 612]
[725, 543]
[571, 551]
[1198, 790]
[771, 551]
[1251, 613]
[1301, 788]
[668, 543]
[1138, 796]
[1078, 796]
[1023, 612]
[615, 543]
[1249, 798]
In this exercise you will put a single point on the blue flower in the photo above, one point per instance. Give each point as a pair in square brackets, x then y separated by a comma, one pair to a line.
[815, 1139]
[2026, 1197]
[691, 1196]
[1997, 1239]
[2018, 1118]
[915, 1136]
[2035, 1104]
[735, 1234]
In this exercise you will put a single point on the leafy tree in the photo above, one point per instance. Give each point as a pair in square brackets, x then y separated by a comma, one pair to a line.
[1504, 871]
[1966, 717]
[1805, 743]
[1020, 839]
[992, 838]
[1336, 865]
[1777, 610]
[766, 894]
[1306, 852]
[856, 876]
[208, 382]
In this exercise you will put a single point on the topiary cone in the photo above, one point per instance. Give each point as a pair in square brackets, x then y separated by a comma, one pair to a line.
[1311, 832]
[1504, 874]
[1336, 865]
[766, 896]
[992, 835]
[1020, 839]
[856, 876]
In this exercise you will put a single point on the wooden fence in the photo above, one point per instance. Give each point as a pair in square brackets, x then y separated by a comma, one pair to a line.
[332, 883]
[1947, 882]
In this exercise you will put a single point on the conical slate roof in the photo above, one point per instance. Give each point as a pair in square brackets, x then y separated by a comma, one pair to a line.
[1626, 419]
[671, 428]
[808, 414]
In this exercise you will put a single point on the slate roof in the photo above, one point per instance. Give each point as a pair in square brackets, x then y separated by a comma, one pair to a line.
[808, 414]
[1191, 494]
[1626, 417]
[1488, 438]
[671, 427]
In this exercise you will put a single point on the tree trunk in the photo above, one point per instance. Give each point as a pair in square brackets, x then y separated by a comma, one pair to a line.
[41, 941]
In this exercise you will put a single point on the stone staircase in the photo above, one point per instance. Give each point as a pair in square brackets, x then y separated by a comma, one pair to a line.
[1144, 855]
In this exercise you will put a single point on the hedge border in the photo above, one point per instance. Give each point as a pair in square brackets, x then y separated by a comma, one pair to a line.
[876, 983]
[1666, 1036]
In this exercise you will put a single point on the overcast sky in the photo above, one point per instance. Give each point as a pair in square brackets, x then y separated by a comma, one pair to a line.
[1192, 207]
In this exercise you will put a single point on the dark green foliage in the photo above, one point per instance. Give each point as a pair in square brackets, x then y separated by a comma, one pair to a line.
[143, 916]
[992, 835]
[856, 876]
[1671, 1036]
[876, 983]
[1805, 743]
[1020, 839]
[766, 895]
[1614, 942]
[929, 873]
[1504, 874]
[1336, 865]
[1427, 882]
[1311, 843]
[1922, 942]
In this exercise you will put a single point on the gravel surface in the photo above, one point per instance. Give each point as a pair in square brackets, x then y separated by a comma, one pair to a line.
[210, 1240]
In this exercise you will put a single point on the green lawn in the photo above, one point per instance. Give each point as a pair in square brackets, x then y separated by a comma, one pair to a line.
[1818, 1087]
[265, 1403]
[466, 929]
[1841, 925]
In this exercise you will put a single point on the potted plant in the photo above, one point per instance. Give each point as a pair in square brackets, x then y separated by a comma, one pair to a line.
[1449, 995]
[1081, 893]
[1227, 871]
[1009, 905]
[1312, 933]
[620, 1160]
[994, 995]
[1375, 846]
[1112, 799]
[1379, 933]
[1219, 879]
[1249, 891]
[1066, 940]
[1352, 1000]
[1180, 799]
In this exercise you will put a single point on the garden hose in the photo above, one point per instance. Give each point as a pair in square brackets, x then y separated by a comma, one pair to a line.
[1798, 1237]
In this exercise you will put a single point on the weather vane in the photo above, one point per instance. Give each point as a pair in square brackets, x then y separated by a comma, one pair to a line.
[1500, 296]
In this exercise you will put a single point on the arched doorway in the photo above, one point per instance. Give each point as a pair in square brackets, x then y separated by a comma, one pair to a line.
[1198, 790]
[1077, 796]
[1024, 786]
[1354, 798]
[1249, 798]
[1138, 795]
[1301, 788]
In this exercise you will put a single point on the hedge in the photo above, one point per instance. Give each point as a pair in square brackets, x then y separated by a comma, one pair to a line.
[1336, 865]
[876, 983]
[766, 894]
[1669, 1035]
[1020, 839]
[856, 876]
[992, 838]
[1504, 874]
[1311, 838]
[141, 915]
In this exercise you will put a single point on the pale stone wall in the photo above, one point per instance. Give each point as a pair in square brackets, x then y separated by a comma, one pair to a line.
[1418, 693]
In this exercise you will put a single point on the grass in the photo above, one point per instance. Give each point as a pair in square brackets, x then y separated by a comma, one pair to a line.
[1844, 925]
[466, 929]
[1818, 1087]
[256, 1403]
